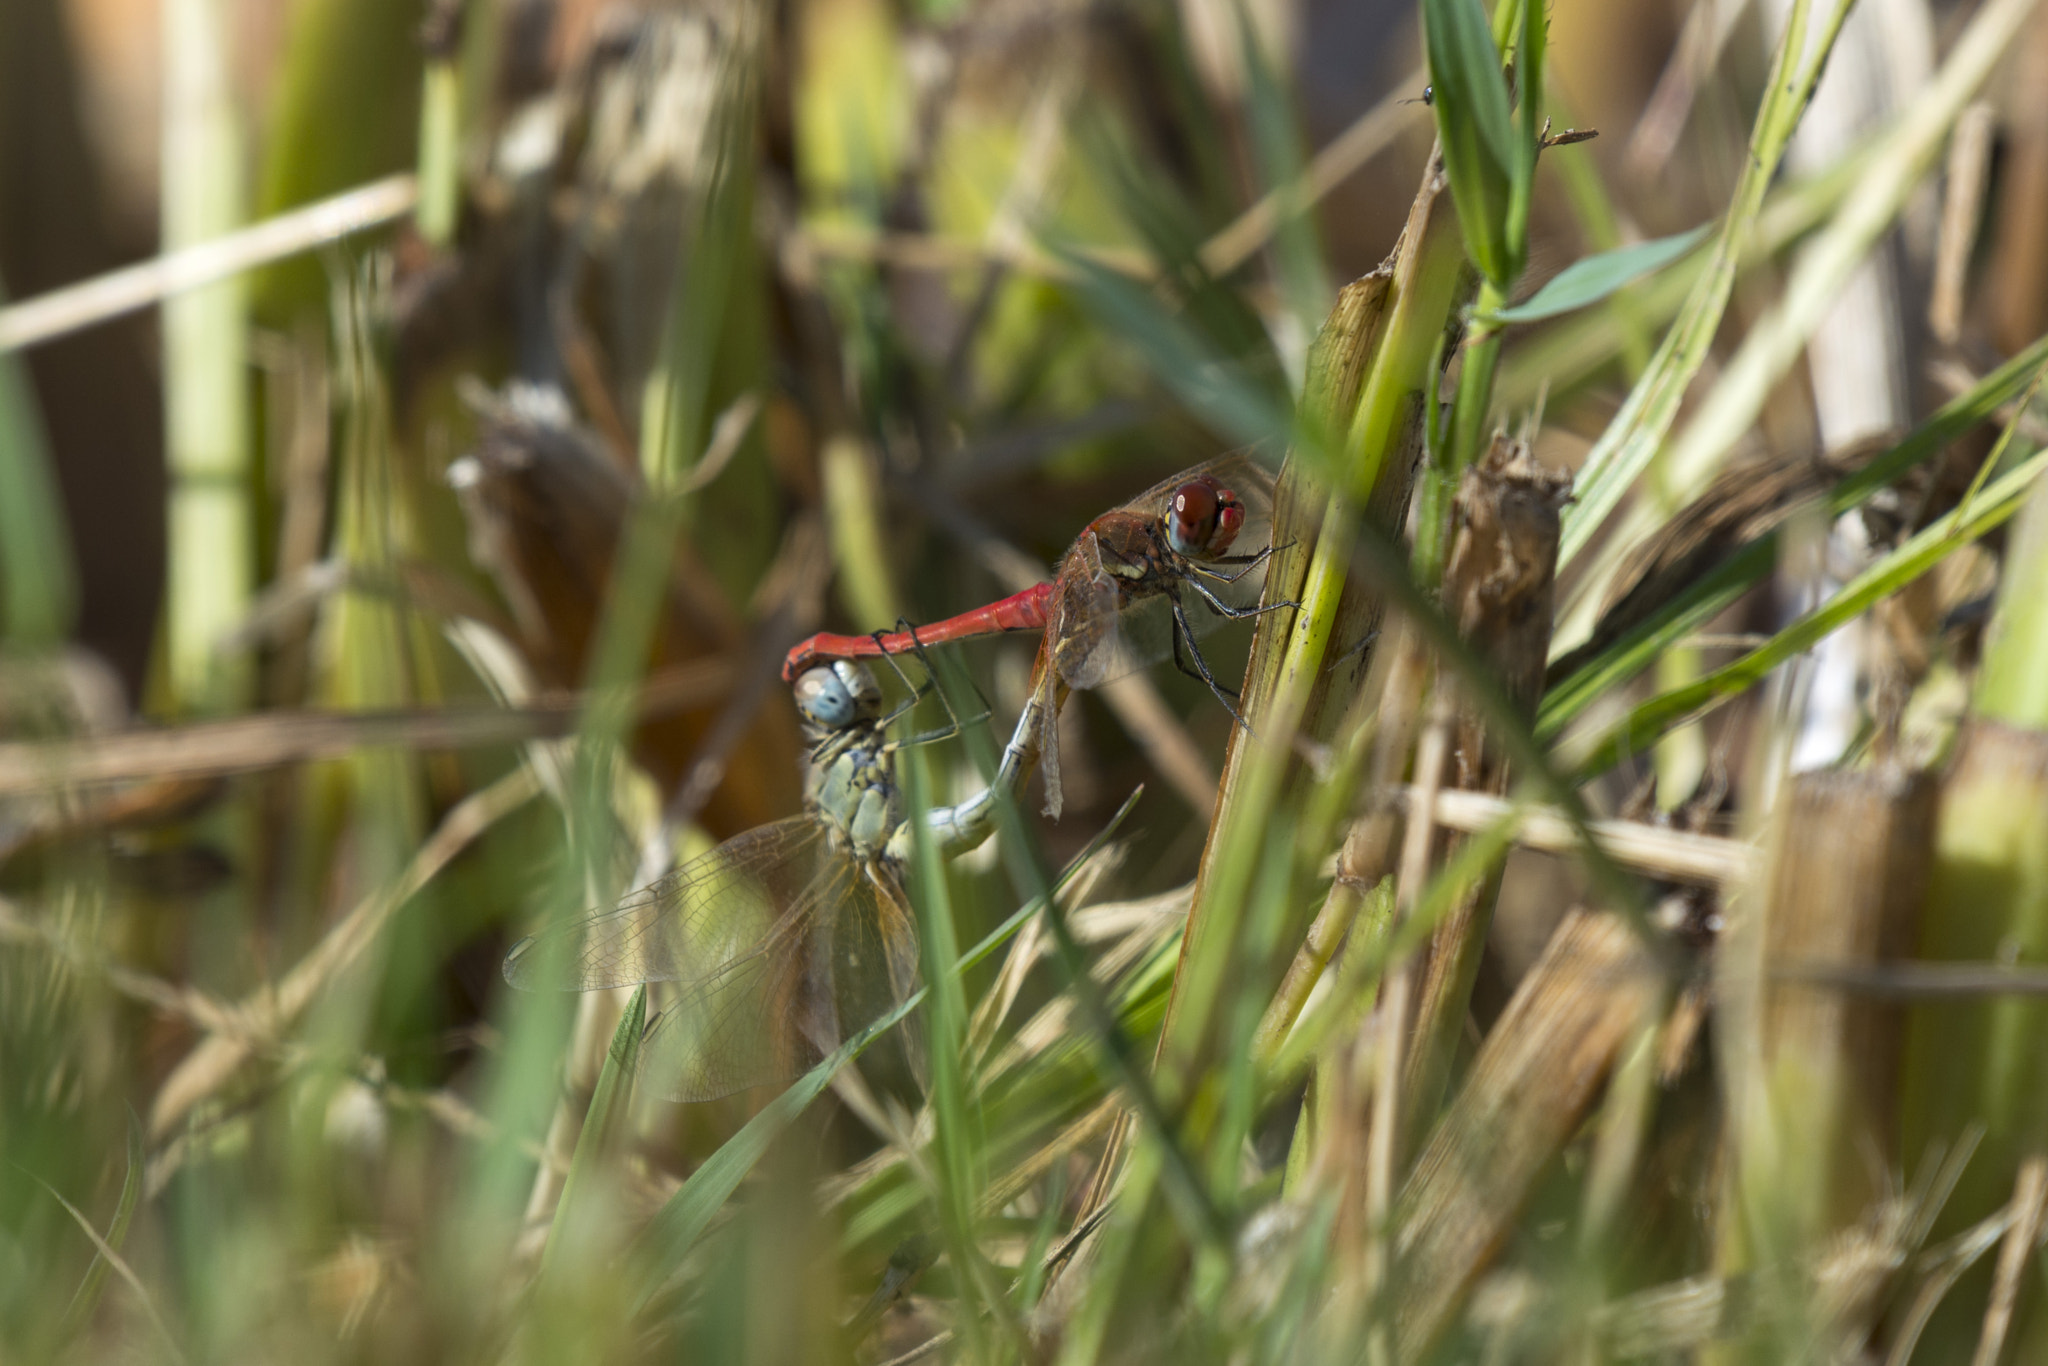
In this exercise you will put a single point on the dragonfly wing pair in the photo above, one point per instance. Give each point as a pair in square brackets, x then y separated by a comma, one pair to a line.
[781, 944]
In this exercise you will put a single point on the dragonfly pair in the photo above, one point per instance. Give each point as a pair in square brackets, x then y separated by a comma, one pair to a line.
[1142, 582]
[787, 938]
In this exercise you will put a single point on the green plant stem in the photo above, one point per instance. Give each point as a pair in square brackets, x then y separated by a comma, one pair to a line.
[609, 1104]
[440, 156]
[212, 556]
[2013, 685]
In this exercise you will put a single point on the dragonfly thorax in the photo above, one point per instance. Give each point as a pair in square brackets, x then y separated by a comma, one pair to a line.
[853, 792]
[851, 788]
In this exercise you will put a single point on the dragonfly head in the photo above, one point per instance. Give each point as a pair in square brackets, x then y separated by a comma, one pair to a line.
[1203, 518]
[837, 695]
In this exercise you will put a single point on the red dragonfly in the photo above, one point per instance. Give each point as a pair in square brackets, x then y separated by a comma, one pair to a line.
[1139, 583]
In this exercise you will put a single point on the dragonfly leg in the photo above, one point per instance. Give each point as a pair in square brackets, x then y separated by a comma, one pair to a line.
[1181, 663]
[918, 692]
[1224, 609]
[953, 718]
[1186, 631]
[1248, 563]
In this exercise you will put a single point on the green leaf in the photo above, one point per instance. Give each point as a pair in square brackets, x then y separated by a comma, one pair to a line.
[1476, 127]
[607, 1106]
[1594, 278]
[1222, 391]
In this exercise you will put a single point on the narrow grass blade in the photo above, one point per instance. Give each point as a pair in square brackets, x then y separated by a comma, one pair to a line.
[1567, 698]
[1633, 438]
[608, 1105]
[1475, 126]
[956, 1132]
[87, 1297]
[1593, 279]
[113, 1258]
[1934, 544]
[1213, 386]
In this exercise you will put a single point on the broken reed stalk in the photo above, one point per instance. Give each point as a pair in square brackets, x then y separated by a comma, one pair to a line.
[1531, 1086]
[1499, 588]
[1977, 1060]
[1847, 874]
[1974, 1064]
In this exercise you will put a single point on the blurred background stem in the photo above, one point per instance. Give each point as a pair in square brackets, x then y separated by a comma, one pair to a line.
[205, 351]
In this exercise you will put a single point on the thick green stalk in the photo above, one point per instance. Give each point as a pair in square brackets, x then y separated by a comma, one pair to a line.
[2013, 686]
[206, 400]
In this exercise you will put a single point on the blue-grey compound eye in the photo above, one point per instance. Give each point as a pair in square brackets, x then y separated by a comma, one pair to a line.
[837, 695]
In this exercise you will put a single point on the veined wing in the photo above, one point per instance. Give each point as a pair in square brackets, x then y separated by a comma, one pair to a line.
[696, 921]
[844, 954]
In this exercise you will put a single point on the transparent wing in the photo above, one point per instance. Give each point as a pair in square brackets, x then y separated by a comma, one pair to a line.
[762, 1016]
[843, 955]
[1084, 627]
[685, 926]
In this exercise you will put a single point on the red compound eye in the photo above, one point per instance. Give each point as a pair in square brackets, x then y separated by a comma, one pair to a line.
[1192, 520]
[1229, 521]
[1204, 519]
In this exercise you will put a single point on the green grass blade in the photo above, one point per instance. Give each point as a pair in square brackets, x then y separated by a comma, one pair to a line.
[1715, 590]
[1564, 355]
[608, 1106]
[1213, 386]
[1901, 162]
[1475, 126]
[956, 1132]
[1633, 438]
[1932, 545]
[87, 1298]
[675, 1229]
